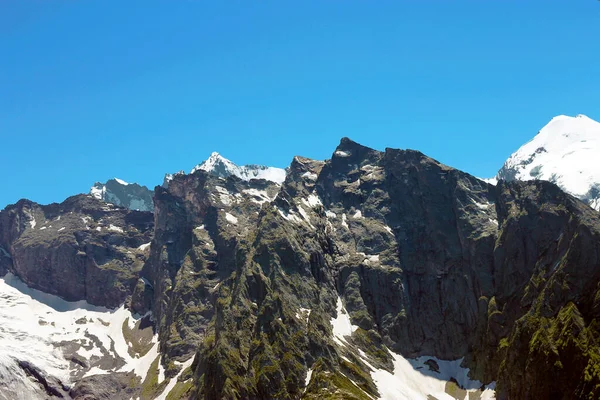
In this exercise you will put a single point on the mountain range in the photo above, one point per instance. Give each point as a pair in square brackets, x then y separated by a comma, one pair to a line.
[373, 274]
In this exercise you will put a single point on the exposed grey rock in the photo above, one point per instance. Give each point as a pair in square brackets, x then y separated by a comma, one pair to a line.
[81, 249]
[120, 193]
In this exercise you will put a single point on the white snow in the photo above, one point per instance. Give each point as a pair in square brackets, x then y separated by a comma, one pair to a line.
[32, 323]
[303, 313]
[312, 200]
[173, 380]
[330, 214]
[98, 191]
[358, 214]
[144, 246]
[224, 195]
[258, 196]
[291, 216]
[372, 258]
[344, 223]
[222, 167]
[42, 228]
[308, 376]
[200, 228]
[482, 206]
[388, 229]
[112, 227]
[413, 380]
[341, 153]
[309, 175]
[121, 181]
[161, 372]
[342, 326]
[491, 181]
[565, 152]
[61, 229]
[230, 218]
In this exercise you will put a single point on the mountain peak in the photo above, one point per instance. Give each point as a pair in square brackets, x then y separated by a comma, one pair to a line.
[117, 191]
[220, 166]
[563, 152]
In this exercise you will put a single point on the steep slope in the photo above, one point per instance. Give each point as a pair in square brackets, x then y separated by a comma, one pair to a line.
[564, 152]
[257, 282]
[121, 193]
[369, 275]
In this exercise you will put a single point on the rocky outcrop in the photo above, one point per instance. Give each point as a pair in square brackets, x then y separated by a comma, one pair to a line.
[81, 249]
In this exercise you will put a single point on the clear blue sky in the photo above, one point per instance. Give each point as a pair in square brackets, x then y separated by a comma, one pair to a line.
[95, 89]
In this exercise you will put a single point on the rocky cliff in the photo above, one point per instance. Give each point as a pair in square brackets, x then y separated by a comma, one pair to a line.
[81, 249]
[368, 275]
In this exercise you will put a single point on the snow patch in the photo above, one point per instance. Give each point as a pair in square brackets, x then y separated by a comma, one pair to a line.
[310, 175]
[342, 326]
[303, 313]
[312, 201]
[230, 218]
[144, 246]
[344, 223]
[308, 376]
[184, 365]
[341, 153]
[414, 380]
[112, 227]
[258, 196]
[358, 214]
[121, 181]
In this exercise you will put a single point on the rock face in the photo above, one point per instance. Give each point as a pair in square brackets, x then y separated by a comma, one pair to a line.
[120, 193]
[319, 284]
[81, 249]
[564, 152]
[428, 260]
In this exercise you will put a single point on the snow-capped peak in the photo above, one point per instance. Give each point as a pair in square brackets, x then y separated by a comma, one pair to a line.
[565, 152]
[121, 181]
[222, 167]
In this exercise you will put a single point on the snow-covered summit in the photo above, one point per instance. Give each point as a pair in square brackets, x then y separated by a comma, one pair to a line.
[222, 167]
[564, 152]
[117, 191]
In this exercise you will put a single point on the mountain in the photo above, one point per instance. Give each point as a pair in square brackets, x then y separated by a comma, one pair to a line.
[222, 167]
[121, 193]
[564, 152]
[368, 275]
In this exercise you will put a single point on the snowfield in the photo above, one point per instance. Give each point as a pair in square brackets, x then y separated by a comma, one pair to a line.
[35, 326]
